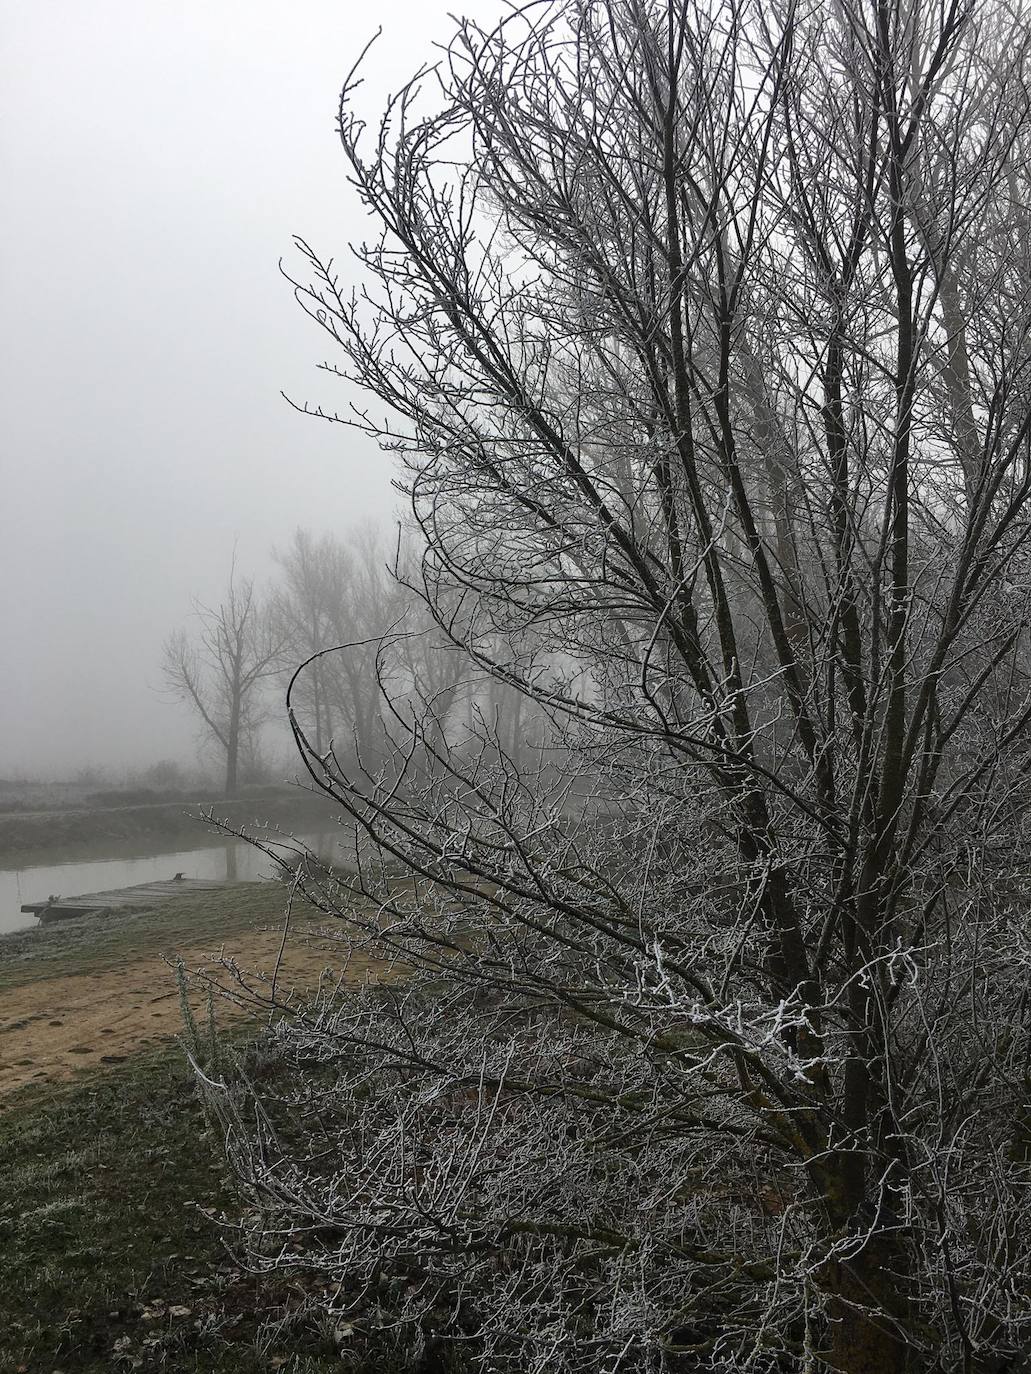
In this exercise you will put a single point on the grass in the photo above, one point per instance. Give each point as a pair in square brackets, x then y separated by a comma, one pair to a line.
[107, 1260]
[109, 1256]
[92, 944]
[48, 836]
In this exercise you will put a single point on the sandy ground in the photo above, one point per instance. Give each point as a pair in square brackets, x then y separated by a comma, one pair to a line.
[55, 1027]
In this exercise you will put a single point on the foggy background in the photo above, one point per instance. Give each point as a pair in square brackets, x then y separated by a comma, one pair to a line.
[157, 160]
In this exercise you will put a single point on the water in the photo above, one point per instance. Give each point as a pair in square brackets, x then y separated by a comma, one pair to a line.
[235, 861]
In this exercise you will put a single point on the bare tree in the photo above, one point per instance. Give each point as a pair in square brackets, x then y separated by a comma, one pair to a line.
[219, 671]
[336, 601]
[705, 334]
[353, 614]
[317, 580]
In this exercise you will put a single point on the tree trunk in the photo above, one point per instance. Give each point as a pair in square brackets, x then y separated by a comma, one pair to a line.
[869, 1299]
[319, 748]
[517, 727]
[233, 749]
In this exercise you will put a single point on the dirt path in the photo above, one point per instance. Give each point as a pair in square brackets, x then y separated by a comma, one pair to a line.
[53, 1027]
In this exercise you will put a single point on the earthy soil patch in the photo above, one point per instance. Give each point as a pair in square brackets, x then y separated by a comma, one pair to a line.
[54, 1025]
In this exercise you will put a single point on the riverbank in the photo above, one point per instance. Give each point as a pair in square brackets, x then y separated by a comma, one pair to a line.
[95, 990]
[35, 837]
[111, 1179]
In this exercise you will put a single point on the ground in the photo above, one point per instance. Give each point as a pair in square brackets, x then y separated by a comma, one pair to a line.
[79, 994]
[111, 824]
[111, 1179]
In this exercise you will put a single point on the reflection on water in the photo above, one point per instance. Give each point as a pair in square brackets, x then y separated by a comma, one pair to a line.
[233, 861]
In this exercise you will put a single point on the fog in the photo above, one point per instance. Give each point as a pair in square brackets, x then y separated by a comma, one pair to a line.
[157, 160]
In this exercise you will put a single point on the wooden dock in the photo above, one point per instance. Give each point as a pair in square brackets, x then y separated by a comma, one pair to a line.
[141, 896]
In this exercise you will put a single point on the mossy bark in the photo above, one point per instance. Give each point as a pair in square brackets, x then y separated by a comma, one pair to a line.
[867, 1310]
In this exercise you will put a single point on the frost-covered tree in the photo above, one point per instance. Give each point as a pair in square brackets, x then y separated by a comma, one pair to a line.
[702, 332]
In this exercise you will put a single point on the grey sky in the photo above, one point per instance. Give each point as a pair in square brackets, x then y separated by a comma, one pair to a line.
[157, 158]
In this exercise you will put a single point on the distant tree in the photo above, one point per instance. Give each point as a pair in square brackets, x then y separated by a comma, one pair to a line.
[315, 579]
[167, 774]
[333, 605]
[219, 670]
[351, 611]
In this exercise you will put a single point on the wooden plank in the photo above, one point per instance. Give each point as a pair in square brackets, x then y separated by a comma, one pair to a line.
[82, 905]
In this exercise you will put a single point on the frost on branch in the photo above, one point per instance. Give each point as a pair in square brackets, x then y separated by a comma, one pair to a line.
[699, 1037]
